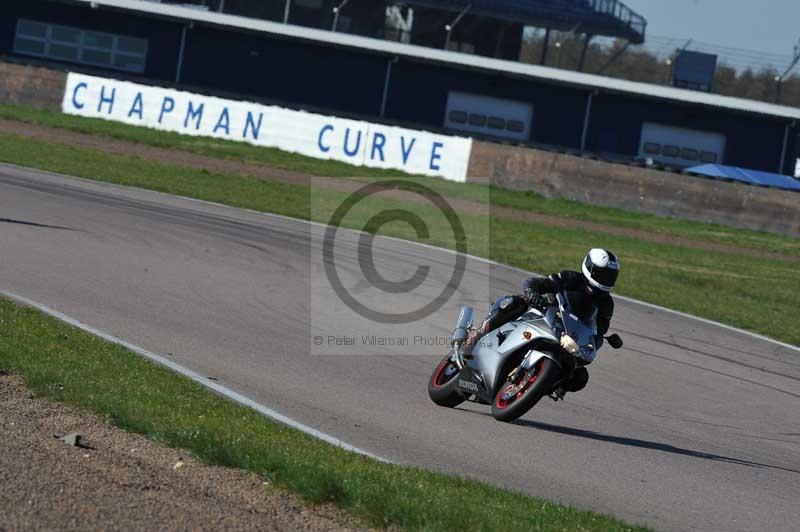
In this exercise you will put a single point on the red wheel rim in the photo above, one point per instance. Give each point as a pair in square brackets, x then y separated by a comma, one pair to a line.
[444, 373]
[511, 392]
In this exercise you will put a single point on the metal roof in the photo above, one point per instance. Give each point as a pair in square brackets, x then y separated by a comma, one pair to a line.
[537, 72]
[602, 17]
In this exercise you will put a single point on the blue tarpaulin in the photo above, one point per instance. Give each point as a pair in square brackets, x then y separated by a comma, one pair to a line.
[743, 175]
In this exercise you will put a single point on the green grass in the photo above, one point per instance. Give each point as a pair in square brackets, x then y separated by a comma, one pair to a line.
[757, 294]
[526, 201]
[222, 149]
[68, 365]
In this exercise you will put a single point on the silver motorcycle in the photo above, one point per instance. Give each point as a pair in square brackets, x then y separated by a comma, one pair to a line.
[513, 366]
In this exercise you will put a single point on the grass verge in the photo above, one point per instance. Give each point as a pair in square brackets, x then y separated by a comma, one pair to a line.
[68, 365]
[527, 201]
[753, 293]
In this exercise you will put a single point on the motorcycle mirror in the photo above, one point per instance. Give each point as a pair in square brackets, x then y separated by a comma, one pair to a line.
[614, 341]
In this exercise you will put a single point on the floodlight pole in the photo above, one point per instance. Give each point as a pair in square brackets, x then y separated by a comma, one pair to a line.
[286, 11]
[545, 45]
[559, 43]
[450, 27]
[587, 38]
[779, 79]
[336, 11]
[614, 57]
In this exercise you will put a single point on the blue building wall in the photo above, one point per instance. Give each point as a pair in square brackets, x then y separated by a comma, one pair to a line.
[751, 142]
[163, 36]
[289, 71]
[304, 73]
[418, 93]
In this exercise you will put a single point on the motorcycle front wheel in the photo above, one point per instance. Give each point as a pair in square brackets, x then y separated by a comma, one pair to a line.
[443, 384]
[520, 395]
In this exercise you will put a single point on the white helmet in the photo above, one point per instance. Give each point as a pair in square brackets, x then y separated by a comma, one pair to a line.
[601, 268]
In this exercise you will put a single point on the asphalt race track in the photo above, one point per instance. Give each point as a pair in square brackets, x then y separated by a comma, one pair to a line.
[688, 427]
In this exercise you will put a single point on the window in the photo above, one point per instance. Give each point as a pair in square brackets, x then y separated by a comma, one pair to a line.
[708, 157]
[515, 126]
[74, 45]
[26, 46]
[477, 120]
[671, 151]
[65, 35]
[32, 29]
[101, 40]
[496, 123]
[458, 117]
[680, 146]
[128, 45]
[488, 116]
[652, 148]
[689, 154]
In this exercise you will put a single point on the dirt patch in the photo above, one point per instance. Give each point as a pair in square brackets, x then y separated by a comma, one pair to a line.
[213, 164]
[123, 481]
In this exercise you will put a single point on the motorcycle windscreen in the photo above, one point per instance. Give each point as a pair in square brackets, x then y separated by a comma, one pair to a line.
[581, 330]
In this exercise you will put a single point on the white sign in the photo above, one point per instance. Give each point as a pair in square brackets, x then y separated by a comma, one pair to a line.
[323, 137]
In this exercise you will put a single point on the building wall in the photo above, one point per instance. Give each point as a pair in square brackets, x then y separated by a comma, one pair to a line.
[418, 94]
[351, 82]
[490, 38]
[38, 87]
[616, 123]
[297, 73]
[262, 10]
[551, 174]
[163, 36]
[558, 175]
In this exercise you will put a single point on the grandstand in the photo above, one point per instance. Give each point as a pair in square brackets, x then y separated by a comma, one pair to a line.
[492, 28]
[344, 74]
[609, 18]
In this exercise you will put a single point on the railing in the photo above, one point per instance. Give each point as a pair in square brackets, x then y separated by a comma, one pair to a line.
[621, 12]
[557, 9]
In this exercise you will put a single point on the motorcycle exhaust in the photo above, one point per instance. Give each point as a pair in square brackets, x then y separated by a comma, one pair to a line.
[465, 319]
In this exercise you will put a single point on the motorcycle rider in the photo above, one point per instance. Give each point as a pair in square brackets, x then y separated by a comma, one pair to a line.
[587, 290]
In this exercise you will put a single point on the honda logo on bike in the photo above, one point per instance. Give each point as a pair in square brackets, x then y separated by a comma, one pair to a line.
[527, 335]
[471, 386]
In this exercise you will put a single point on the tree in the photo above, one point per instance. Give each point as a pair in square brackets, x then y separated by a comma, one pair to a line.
[640, 64]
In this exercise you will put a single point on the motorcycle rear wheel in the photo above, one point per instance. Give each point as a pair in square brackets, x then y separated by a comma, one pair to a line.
[443, 384]
[530, 388]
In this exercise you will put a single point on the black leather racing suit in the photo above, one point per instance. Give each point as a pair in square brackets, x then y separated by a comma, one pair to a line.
[583, 299]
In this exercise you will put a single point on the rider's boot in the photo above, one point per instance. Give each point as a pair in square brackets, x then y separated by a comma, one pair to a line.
[558, 394]
[472, 339]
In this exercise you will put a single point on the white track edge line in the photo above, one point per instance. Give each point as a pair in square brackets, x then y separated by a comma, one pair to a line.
[196, 377]
[428, 246]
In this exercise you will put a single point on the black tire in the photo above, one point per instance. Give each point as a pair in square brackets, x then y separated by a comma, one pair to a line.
[443, 384]
[543, 376]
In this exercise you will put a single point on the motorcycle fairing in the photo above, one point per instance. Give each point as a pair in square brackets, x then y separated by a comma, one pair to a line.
[471, 382]
[492, 351]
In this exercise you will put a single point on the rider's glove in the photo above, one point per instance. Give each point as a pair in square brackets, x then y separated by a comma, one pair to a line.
[530, 296]
[569, 345]
[537, 300]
